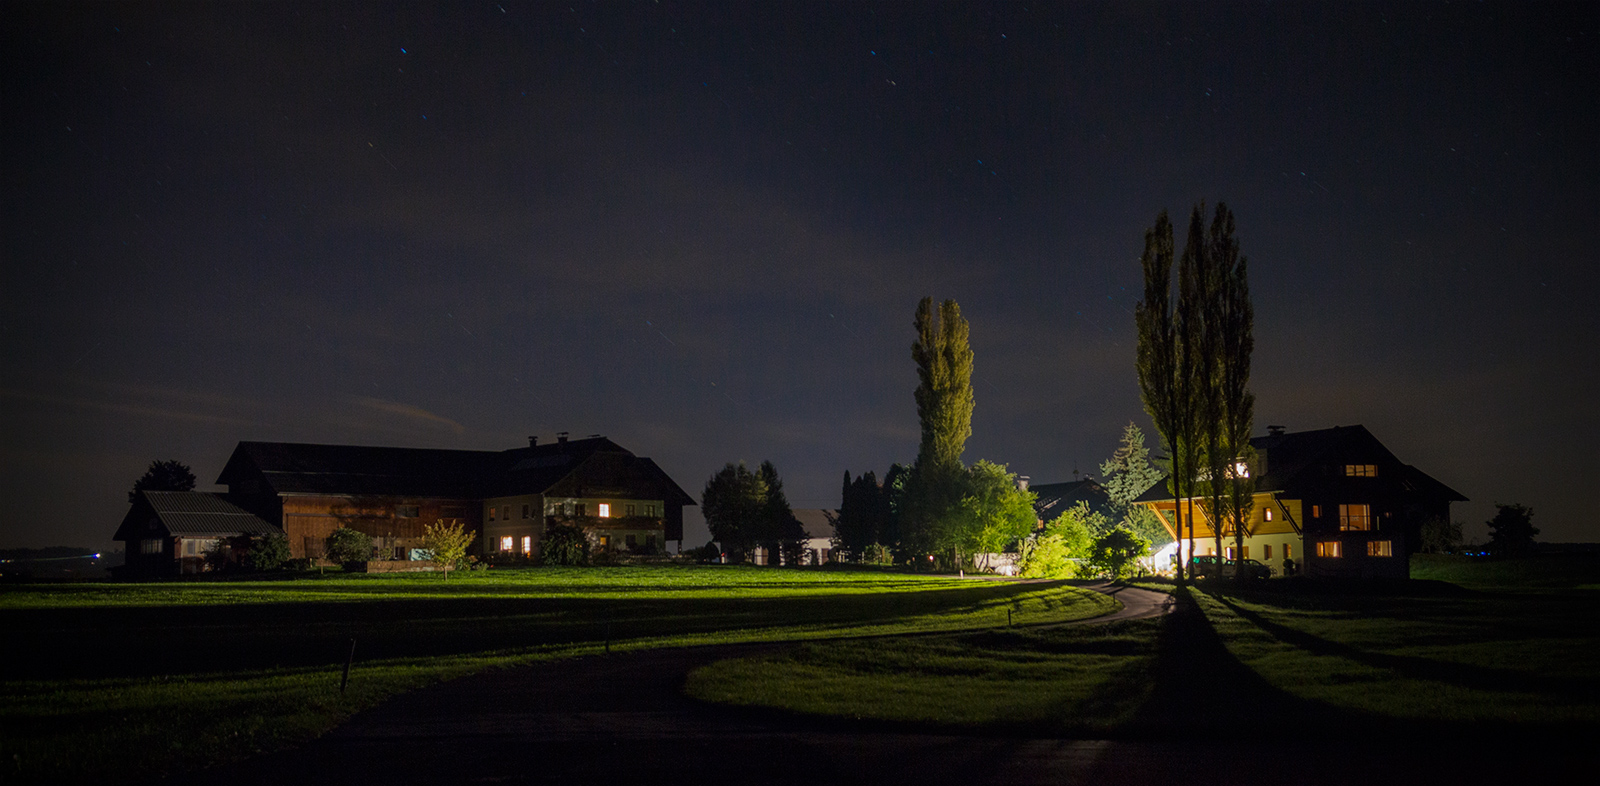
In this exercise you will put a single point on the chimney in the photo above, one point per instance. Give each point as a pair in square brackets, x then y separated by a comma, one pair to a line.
[533, 441]
[1022, 482]
[561, 437]
[1274, 431]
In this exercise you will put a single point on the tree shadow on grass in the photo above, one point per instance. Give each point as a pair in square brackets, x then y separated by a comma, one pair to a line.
[1466, 675]
[1201, 690]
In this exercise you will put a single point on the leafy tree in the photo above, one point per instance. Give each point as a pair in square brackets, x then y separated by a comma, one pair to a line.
[266, 552]
[994, 514]
[347, 545]
[163, 476]
[708, 553]
[1056, 552]
[1511, 530]
[733, 503]
[1229, 322]
[783, 534]
[564, 543]
[447, 543]
[944, 399]
[1116, 554]
[1440, 535]
[1046, 557]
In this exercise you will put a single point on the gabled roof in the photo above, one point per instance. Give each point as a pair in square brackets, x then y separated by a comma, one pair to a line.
[1292, 462]
[1055, 498]
[189, 513]
[816, 521]
[358, 470]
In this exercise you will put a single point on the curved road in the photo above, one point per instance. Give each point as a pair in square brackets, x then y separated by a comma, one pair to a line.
[622, 720]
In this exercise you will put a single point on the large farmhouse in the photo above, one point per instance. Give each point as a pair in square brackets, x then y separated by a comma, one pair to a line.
[622, 501]
[1334, 501]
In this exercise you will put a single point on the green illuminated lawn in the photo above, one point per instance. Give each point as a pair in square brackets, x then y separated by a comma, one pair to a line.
[141, 679]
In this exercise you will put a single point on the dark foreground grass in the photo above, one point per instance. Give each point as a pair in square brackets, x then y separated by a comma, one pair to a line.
[1284, 658]
[125, 681]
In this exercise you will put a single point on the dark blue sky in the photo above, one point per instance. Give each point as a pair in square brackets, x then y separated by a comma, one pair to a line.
[702, 231]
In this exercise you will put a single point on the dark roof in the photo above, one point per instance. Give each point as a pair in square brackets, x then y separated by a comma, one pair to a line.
[357, 470]
[1052, 499]
[193, 513]
[816, 521]
[1292, 462]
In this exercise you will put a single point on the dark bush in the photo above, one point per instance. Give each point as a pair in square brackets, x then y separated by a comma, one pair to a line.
[564, 544]
[267, 552]
[346, 545]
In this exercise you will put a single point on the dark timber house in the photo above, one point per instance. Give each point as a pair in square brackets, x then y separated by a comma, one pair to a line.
[1336, 501]
[623, 502]
[167, 532]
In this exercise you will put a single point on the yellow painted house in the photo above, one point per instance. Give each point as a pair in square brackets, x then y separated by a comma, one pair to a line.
[1335, 502]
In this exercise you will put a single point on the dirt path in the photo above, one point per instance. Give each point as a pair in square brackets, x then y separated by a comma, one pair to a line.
[623, 720]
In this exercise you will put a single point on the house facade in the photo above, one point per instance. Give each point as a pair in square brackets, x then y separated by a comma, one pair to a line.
[1335, 502]
[622, 502]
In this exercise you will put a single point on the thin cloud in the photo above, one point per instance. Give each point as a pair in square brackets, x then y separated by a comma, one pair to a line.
[410, 411]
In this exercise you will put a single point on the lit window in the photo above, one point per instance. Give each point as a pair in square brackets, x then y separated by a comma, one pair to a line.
[1230, 552]
[605, 510]
[1328, 548]
[1316, 511]
[527, 544]
[1360, 470]
[1266, 551]
[527, 511]
[505, 543]
[1355, 517]
[1268, 513]
[491, 513]
[1287, 552]
[1380, 548]
[1241, 470]
[407, 511]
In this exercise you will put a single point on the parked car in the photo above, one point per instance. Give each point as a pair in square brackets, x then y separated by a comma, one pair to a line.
[1203, 567]
[1252, 569]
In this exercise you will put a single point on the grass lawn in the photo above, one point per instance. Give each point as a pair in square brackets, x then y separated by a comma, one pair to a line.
[1071, 680]
[137, 679]
[1512, 648]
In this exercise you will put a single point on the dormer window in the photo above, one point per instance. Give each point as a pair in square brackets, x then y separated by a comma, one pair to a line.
[1361, 470]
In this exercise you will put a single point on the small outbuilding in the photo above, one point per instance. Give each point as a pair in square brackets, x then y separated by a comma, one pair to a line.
[170, 532]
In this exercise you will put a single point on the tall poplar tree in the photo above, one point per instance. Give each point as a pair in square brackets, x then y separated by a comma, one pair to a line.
[1166, 370]
[1194, 368]
[1235, 324]
[944, 408]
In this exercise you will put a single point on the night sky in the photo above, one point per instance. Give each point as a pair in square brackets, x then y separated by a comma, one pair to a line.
[703, 230]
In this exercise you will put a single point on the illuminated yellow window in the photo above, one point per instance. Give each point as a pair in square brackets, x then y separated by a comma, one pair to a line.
[1361, 470]
[1380, 548]
[527, 544]
[491, 513]
[605, 510]
[1355, 517]
[505, 543]
[1316, 511]
[1329, 548]
[1287, 549]
[1267, 512]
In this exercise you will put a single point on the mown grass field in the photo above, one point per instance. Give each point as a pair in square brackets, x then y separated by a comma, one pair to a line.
[1473, 648]
[129, 680]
